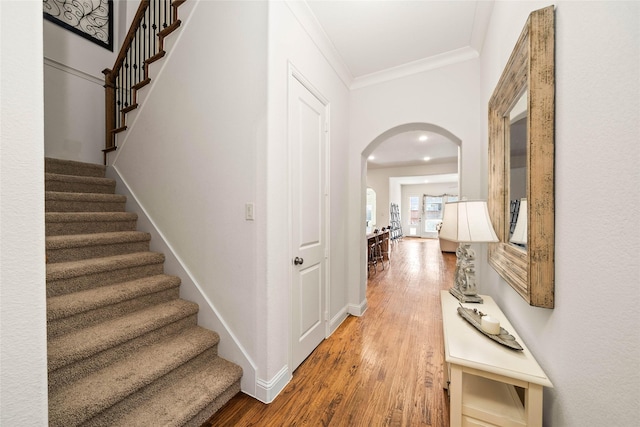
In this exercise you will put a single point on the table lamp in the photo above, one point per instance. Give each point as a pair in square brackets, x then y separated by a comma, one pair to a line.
[466, 222]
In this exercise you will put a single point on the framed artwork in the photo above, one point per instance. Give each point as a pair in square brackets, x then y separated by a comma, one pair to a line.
[91, 19]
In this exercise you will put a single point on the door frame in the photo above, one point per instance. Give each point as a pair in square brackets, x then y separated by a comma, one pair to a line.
[294, 73]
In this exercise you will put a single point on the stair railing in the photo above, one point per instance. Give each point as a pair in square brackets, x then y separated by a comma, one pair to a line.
[143, 45]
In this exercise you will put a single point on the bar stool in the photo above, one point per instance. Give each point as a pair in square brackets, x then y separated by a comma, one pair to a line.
[378, 249]
[373, 260]
[385, 248]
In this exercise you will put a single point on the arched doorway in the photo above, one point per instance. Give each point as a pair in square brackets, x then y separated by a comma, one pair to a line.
[418, 168]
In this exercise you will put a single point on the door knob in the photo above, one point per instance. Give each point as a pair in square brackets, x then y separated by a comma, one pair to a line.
[298, 261]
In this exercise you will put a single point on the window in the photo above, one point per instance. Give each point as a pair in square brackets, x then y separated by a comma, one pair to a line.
[371, 207]
[433, 209]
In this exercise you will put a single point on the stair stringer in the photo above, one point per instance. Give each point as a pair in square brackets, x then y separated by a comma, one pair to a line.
[185, 12]
[209, 317]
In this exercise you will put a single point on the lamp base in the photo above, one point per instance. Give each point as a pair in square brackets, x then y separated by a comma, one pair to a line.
[465, 298]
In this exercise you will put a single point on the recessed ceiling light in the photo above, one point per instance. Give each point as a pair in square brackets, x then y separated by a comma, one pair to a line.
[423, 138]
[426, 159]
[371, 157]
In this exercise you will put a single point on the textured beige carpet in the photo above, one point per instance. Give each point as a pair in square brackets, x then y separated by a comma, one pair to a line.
[123, 348]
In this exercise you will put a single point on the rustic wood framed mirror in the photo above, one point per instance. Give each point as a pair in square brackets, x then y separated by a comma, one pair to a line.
[521, 163]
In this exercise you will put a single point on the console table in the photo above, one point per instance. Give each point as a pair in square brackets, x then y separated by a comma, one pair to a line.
[488, 383]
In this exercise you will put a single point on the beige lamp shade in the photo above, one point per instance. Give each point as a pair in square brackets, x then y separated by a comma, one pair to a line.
[467, 221]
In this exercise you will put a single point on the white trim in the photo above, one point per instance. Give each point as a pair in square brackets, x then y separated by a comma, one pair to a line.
[74, 71]
[327, 213]
[415, 67]
[209, 317]
[337, 320]
[312, 27]
[266, 391]
[358, 310]
[318, 36]
[484, 9]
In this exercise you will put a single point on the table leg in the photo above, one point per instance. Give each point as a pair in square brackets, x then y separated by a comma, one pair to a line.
[455, 396]
[533, 405]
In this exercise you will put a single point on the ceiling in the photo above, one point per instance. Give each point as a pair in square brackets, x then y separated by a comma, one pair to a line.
[373, 36]
[380, 40]
[409, 149]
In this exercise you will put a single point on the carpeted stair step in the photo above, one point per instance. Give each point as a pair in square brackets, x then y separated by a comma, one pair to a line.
[123, 349]
[71, 167]
[75, 247]
[56, 201]
[71, 312]
[76, 355]
[78, 184]
[74, 276]
[188, 396]
[63, 223]
[82, 400]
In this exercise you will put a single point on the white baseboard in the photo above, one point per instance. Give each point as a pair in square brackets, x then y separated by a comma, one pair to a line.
[358, 310]
[266, 391]
[337, 320]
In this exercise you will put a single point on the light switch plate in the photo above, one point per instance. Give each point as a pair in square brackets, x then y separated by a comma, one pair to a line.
[249, 211]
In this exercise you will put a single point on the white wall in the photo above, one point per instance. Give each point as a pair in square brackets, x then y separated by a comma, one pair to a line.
[589, 343]
[74, 93]
[190, 158]
[235, 130]
[447, 97]
[379, 180]
[23, 341]
[291, 45]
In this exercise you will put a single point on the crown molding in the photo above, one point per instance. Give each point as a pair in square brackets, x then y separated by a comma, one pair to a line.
[415, 67]
[484, 9]
[312, 27]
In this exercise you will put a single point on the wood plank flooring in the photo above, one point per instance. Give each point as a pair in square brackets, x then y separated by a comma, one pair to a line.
[384, 368]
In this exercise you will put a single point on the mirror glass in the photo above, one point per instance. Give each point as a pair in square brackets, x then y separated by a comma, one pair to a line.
[521, 164]
[517, 143]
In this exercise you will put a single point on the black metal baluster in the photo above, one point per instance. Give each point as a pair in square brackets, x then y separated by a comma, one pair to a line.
[154, 17]
[135, 80]
[164, 24]
[143, 33]
[131, 59]
[140, 56]
[120, 97]
[127, 80]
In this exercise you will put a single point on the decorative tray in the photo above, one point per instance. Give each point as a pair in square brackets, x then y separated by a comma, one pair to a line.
[474, 317]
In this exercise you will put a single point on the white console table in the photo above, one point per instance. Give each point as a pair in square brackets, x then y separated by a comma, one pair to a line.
[489, 384]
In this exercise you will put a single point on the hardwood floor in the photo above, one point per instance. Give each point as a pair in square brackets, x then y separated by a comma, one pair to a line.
[381, 369]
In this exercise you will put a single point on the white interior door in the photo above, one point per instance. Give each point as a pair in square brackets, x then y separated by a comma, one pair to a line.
[431, 215]
[414, 215]
[307, 145]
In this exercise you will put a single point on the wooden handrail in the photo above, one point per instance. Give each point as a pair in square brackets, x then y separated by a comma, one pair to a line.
[126, 44]
[143, 44]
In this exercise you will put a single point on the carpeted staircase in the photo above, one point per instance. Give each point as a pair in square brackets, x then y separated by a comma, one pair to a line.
[123, 348]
